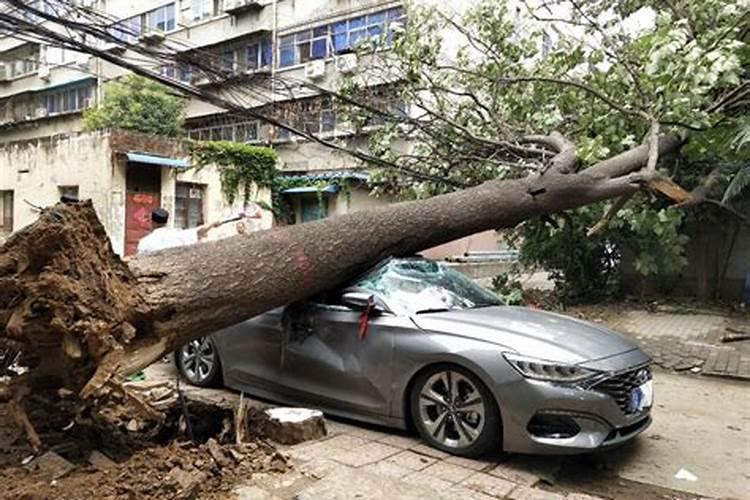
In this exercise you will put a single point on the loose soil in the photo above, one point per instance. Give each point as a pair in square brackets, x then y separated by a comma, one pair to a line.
[108, 462]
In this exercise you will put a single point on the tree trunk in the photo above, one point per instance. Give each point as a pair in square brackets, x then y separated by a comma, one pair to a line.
[82, 315]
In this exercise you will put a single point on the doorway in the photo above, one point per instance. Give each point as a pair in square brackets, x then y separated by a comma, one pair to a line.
[143, 194]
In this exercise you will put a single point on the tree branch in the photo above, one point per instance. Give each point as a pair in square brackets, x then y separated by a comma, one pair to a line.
[564, 162]
[653, 146]
[616, 206]
[633, 159]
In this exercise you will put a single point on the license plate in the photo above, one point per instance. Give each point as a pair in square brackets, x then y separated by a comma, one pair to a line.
[642, 397]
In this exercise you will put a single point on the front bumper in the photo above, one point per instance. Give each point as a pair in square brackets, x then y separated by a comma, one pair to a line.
[545, 418]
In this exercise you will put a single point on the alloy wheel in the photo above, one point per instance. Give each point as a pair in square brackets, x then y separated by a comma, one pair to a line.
[452, 409]
[198, 358]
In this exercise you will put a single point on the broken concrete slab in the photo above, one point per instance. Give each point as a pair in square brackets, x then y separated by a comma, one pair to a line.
[100, 461]
[51, 465]
[294, 425]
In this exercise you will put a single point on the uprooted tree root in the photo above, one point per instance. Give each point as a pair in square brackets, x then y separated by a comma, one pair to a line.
[68, 304]
[116, 451]
[62, 288]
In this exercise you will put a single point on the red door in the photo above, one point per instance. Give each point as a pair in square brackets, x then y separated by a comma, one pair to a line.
[138, 207]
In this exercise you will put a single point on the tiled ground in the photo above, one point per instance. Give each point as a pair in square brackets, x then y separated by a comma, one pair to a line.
[402, 458]
[684, 342]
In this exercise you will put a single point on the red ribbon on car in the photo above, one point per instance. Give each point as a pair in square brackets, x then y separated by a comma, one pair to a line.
[364, 318]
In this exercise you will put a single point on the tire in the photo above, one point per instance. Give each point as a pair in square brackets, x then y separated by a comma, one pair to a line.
[467, 424]
[198, 361]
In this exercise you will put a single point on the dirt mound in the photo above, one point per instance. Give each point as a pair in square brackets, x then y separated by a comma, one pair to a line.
[177, 470]
[189, 450]
[62, 288]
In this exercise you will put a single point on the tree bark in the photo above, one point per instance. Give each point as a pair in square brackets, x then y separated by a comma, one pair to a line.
[83, 315]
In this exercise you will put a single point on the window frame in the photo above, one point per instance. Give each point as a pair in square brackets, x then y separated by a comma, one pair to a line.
[190, 201]
[7, 215]
[338, 37]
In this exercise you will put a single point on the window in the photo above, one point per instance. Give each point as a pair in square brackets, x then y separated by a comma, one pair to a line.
[259, 55]
[314, 116]
[203, 9]
[169, 71]
[68, 100]
[287, 51]
[22, 61]
[6, 211]
[411, 286]
[228, 61]
[161, 19]
[181, 72]
[189, 205]
[237, 132]
[313, 208]
[71, 191]
[128, 30]
[339, 37]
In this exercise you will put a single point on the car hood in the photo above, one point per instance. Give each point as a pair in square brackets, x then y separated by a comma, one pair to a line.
[530, 332]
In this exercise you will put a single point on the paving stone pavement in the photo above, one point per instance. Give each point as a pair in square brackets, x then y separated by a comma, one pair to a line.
[687, 342]
[355, 462]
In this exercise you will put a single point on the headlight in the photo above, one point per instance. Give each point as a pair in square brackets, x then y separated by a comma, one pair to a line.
[540, 369]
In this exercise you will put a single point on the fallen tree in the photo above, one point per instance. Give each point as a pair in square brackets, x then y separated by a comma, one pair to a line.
[82, 315]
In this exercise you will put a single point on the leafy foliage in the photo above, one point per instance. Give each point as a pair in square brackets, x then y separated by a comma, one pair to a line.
[242, 167]
[475, 87]
[137, 103]
[508, 289]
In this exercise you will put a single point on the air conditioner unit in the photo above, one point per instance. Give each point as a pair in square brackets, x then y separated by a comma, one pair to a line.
[43, 72]
[41, 112]
[315, 69]
[236, 7]
[151, 38]
[346, 63]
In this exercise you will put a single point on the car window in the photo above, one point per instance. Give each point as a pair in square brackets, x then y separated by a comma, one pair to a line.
[419, 286]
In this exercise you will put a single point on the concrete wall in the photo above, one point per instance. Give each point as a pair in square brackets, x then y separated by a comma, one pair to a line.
[95, 162]
[487, 240]
[35, 169]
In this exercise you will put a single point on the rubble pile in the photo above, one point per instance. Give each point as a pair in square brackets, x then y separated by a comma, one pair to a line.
[149, 442]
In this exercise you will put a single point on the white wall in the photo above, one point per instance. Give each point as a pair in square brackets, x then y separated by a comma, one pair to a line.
[35, 169]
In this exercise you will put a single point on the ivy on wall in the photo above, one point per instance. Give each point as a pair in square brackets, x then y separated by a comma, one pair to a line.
[241, 166]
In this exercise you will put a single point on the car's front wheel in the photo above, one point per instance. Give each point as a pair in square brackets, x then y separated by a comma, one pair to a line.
[198, 361]
[454, 412]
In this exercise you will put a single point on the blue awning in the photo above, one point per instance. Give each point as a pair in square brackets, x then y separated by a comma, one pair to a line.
[311, 189]
[162, 161]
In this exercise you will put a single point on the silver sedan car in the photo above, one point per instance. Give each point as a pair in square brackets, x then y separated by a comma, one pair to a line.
[414, 343]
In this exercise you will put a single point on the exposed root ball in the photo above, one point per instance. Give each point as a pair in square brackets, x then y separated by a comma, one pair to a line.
[66, 297]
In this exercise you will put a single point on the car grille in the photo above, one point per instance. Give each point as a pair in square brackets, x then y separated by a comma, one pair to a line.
[621, 385]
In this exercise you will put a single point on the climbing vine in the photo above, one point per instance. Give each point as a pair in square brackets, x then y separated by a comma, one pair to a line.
[241, 166]
[281, 205]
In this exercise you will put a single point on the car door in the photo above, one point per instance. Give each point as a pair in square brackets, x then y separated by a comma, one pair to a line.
[251, 352]
[329, 365]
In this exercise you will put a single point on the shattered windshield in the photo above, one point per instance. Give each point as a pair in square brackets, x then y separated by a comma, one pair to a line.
[418, 286]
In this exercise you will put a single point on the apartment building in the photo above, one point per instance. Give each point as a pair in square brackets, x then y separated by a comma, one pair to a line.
[44, 91]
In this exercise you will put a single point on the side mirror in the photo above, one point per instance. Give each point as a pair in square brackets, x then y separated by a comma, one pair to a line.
[359, 301]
